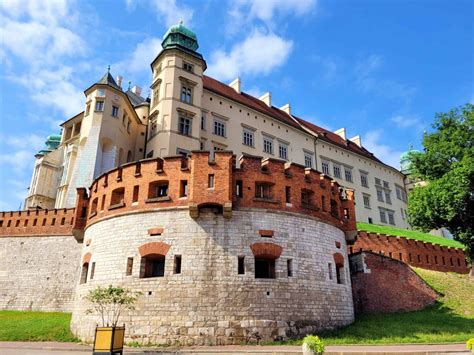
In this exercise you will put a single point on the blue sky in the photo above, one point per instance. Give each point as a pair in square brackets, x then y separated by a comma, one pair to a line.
[380, 68]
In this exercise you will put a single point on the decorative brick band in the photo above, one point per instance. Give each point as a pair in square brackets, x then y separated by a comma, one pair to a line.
[157, 248]
[266, 250]
[86, 258]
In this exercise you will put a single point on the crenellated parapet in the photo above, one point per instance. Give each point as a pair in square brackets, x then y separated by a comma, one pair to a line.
[194, 183]
[37, 222]
[276, 184]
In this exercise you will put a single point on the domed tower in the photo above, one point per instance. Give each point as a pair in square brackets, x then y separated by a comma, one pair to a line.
[175, 111]
[405, 168]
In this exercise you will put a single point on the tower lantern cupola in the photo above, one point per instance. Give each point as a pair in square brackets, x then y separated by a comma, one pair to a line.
[180, 36]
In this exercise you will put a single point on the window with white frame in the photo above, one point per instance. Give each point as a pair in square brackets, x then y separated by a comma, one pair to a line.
[188, 67]
[219, 128]
[186, 93]
[379, 194]
[364, 179]
[203, 122]
[283, 151]
[101, 92]
[378, 182]
[391, 217]
[388, 198]
[268, 145]
[386, 184]
[383, 216]
[325, 166]
[308, 160]
[184, 125]
[402, 213]
[348, 174]
[153, 127]
[115, 111]
[156, 95]
[366, 199]
[248, 137]
[401, 194]
[99, 105]
[337, 170]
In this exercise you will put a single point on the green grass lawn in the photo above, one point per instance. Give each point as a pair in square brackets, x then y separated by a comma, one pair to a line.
[35, 326]
[449, 320]
[409, 234]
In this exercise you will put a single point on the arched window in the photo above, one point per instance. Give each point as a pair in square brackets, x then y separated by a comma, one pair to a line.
[117, 198]
[153, 258]
[84, 272]
[339, 261]
[265, 258]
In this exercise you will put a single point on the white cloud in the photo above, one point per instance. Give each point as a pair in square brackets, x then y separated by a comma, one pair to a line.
[372, 141]
[258, 54]
[141, 57]
[242, 11]
[167, 10]
[407, 122]
[47, 12]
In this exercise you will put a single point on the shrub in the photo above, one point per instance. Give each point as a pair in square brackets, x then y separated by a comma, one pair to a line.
[314, 343]
[470, 344]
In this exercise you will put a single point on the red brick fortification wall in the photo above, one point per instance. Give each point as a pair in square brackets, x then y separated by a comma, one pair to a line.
[384, 285]
[413, 252]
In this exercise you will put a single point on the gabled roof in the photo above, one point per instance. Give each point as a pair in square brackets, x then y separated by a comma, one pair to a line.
[291, 120]
[135, 99]
[108, 79]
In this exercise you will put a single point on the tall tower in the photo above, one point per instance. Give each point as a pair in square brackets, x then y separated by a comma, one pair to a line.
[175, 112]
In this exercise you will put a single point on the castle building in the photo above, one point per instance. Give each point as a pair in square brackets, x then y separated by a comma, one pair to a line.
[231, 217]
[191, 111]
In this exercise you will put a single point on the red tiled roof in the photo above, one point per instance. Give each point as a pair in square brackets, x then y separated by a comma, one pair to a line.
[258, 105]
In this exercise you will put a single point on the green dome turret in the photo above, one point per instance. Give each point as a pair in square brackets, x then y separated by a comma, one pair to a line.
[405, 160]
[52, 143]
[180, 35]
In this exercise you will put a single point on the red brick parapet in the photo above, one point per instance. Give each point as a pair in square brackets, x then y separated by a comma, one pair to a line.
[413, 252]
[195, 183]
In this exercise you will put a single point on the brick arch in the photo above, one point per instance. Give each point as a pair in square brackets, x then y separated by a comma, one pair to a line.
[157, 248]
[86, 258]
[266, 250]
[338, 259]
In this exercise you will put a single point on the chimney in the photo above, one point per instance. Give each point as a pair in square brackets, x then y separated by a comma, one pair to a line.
[286, 108]
[236, 85]
[267, 98]
[137, 90]
[119, 80]
[341, 132]
[356, 140]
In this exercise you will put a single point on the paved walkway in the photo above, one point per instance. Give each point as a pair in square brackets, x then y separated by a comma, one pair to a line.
[42, 348]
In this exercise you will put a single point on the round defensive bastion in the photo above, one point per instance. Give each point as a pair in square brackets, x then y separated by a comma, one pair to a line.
[220, 254]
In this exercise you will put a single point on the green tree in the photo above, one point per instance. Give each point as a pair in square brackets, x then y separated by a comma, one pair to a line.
[447, 166]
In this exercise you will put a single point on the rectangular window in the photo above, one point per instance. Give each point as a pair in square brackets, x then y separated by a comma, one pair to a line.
[210, 181]
[348, 174]
[219, 128]
[156, 95]
[183, 189]
[391, 217]
[263, 190]
[308, 160]
[177, 264]
[203, 122]
[330, 271]
[366, 199]
[264, 268]
[397, 191]
[325, 167]
[288, 194]
[99, 106]
[129, 266]
[184, 126]
[115, 111]
[289, 267]
[379, 194]
[378, 182]
[241, 265]
[388, 198]
[92, 270]
[239, 188]
[386, 184]
[337, 170]
[402, 213]
[186, 94]
[88, 109]
[248, 138]
[383, 217]
[101, 92]
[268, 145]
[188, 67]
[283, 151]
[364, 179]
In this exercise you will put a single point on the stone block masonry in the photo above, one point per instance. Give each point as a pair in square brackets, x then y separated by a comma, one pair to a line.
[210, 300]
[38, 273]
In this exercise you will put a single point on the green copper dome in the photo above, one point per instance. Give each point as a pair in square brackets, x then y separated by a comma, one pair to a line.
[180, 35]
[52, 143]
[405, 160]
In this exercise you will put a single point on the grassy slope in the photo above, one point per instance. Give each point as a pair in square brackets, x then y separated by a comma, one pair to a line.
[450, 320]
[410, 234]
[35, 326]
